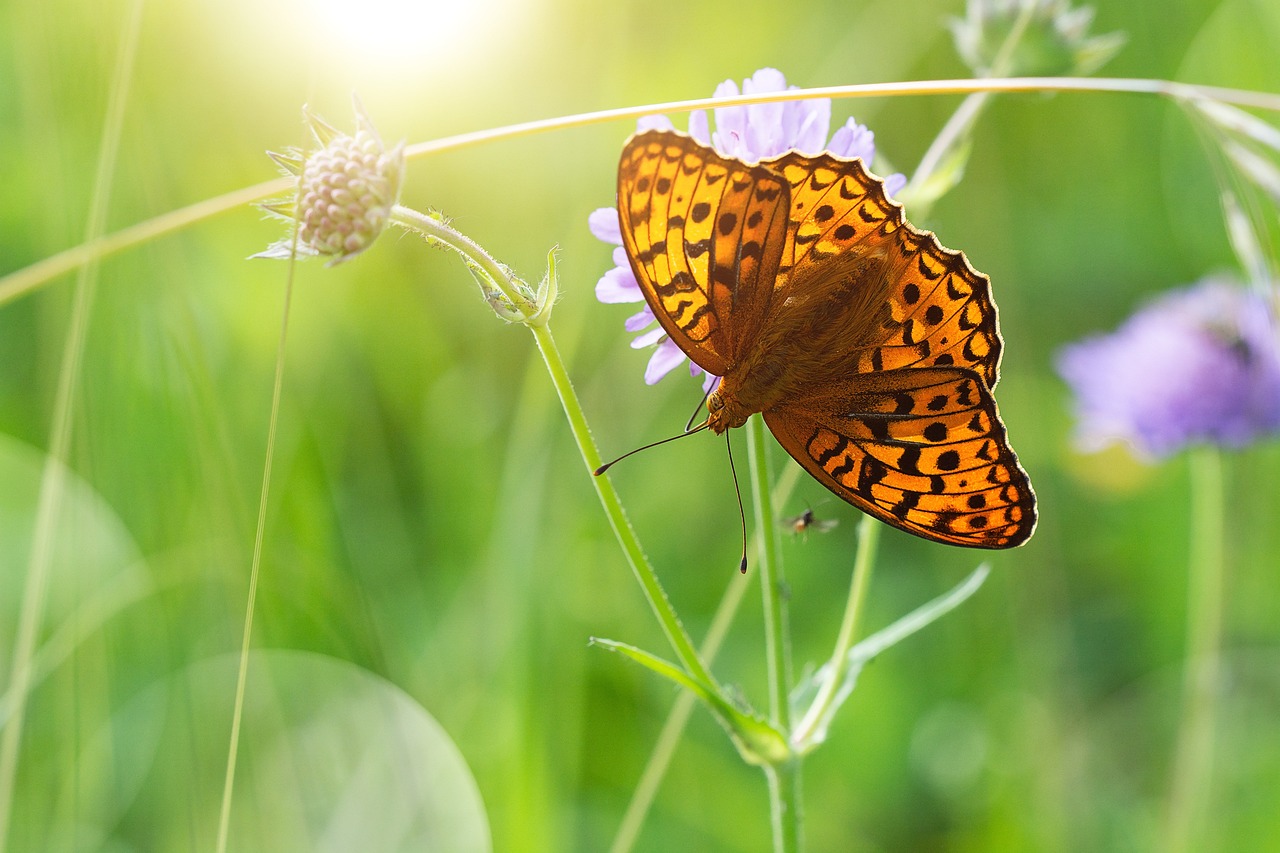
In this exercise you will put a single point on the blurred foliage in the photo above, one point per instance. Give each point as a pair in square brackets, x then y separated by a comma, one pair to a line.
[430, 521]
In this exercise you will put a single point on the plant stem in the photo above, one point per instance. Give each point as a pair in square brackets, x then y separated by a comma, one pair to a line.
[966, 115]
[435, 230]
[838, 665]
[255, 570]
[1193, 757]
[784, 780]
[658, 601]
[665, 746]
[771, 580]
[22, 281]
[54, 476]
[784, 801]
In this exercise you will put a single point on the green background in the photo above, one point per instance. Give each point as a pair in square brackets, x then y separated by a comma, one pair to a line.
[430, 521]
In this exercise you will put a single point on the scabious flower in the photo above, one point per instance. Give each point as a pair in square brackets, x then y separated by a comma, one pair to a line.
[346, 190]
[1196, 365]
[749, 133]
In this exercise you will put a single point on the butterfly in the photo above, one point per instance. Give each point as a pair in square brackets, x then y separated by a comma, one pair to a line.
[869, 348]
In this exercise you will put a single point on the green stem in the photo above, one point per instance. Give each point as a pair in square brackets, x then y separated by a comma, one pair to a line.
[838, 665]
[1193, 757]
[644, 573]
[961, 121]
[771, 580]
[784, 780]
[255, 570]
[53, 479]
[966, 115]
[23, 281]
[665, 746]
[471, 251]
[784, 802]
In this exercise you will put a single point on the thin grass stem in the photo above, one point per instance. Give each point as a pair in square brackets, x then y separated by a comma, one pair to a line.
[27, 279]
[54, 477]
[1189, 793]
[242, 670]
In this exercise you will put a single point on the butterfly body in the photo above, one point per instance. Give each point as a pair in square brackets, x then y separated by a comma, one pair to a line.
[870, 350]
[822, 329]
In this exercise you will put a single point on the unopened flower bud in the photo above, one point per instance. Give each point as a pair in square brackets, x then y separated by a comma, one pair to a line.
[346, 191]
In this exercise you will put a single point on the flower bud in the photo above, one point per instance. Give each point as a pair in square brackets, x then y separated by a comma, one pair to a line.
[345, 193]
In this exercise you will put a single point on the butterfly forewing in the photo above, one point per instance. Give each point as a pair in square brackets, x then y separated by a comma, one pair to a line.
[704, 235]
[923, 450]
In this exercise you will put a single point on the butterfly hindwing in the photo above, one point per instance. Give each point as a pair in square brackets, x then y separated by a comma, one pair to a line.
[704, 235]
[921, 449]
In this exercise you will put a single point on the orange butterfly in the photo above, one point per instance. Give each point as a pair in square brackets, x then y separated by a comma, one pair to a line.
[870, 349]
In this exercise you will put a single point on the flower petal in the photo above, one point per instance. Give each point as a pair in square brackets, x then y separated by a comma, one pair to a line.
[1188, 367]
[665, 359]
[654, 122]
[618, 285]
[853, 140]
[604, 224]
[731, 123]
[894, 184]
[649, 338]
[808, 123]
[764, 128]
[636, 322]
[698, 126]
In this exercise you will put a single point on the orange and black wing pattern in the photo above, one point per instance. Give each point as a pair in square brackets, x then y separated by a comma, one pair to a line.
[921, 449]
[704, 235]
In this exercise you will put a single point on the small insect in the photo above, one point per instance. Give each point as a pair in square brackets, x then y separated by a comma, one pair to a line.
[807, 521]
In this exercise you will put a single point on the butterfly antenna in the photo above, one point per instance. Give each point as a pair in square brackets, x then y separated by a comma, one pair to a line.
[693, 417]
[606, 466]
[742, 514]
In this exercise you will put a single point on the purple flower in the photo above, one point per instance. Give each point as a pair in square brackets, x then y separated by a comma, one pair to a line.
[1197, 365]
[748, 133]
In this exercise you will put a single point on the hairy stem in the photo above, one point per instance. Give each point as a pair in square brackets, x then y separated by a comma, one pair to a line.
[657, 597]
[665, 746]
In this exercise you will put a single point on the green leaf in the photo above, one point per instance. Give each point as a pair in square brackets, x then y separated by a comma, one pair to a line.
[756, 740]
[805, 691]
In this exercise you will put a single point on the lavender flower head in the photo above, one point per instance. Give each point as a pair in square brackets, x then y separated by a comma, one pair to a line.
[1197, 365]
[748, 133]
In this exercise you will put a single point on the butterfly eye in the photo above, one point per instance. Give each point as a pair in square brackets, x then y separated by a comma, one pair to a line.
[714, 403]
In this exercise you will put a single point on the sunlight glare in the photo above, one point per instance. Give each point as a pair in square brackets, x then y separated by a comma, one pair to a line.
[411, 31]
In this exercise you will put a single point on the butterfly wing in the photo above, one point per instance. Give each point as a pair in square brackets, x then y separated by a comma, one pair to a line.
[922, 449]
[704, 235]
[933, 309]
